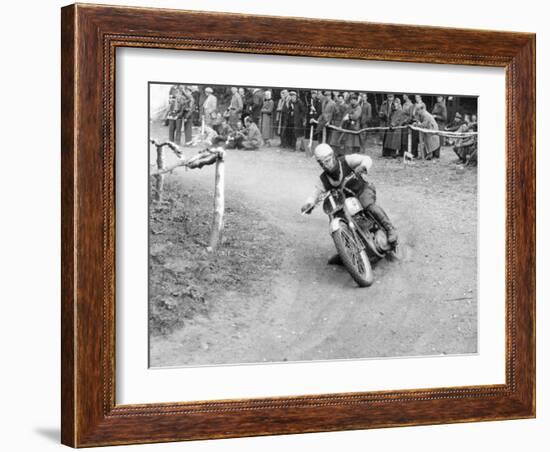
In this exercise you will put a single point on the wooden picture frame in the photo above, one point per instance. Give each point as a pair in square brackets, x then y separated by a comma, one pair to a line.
[90, 36]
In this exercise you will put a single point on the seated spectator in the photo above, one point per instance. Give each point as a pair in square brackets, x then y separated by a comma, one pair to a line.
[236, 137]
[224, 129]
[253, 139]
[466, 148]
[457, 124]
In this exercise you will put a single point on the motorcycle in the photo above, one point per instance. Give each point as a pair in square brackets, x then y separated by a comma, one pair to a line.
[359, 239]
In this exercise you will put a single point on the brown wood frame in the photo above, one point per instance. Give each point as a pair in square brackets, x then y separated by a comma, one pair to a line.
[90, 35]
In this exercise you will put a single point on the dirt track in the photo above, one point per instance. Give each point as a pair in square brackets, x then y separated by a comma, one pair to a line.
[423, 305]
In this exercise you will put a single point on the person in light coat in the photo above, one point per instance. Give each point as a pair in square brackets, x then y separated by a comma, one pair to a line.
[431, 141]
[235, 107]
[210, 107]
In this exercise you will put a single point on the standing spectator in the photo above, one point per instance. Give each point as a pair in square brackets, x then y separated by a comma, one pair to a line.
[299, 120]
[180, 101]
[399, 118]
[384, 113]
[408, 108]
[366, 119]
[175, 110]
[256, 105]
[328, 106]
[266, 119]
[247, 102]
[336, 137]
[314, 111]
[416, 137]
[196, 115]
[188, 109]
[235, 107]
[418, 106]
[473, 125]
[288, 115]
[351, 121]
[253, 139]
[439, 112]
[283, 118]
[430, 140]
[279, 111]
[174, 90]
[210, 107]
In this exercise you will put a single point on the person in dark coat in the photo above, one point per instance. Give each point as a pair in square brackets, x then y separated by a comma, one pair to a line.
[352, 121]
[315, 106]
[397, 138]
[247, 102]
[336, 137]
[257, 102]
[282, 117]
[328, 106]
[384, 113]
[174, 117]
[299, 119]
[187, 119]
[366, 118]
[439, 112]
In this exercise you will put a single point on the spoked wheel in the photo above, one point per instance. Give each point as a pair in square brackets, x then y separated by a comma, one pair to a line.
[354, 258]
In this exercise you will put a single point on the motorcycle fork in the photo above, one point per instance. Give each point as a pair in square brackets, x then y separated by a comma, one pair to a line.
[357, 233]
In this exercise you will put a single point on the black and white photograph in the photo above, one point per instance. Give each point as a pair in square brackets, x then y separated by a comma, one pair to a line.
[303, 224]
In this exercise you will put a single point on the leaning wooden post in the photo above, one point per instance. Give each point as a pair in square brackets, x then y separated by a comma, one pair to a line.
[408, 154]
[219, 203]
[159, 177]
[309, 149]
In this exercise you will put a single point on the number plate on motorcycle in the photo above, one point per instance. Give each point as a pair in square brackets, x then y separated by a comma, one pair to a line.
[353, 205]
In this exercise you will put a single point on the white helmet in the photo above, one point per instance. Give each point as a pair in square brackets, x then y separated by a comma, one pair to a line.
[323, 151]
[367, 163]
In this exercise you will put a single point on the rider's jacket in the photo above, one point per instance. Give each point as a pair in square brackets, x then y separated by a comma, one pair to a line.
[357, 163]
[355, 184]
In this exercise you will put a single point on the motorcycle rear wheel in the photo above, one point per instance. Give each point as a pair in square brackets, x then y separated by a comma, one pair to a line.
[354, 258]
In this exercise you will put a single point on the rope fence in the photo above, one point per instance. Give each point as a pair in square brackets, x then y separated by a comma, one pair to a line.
[407, 155]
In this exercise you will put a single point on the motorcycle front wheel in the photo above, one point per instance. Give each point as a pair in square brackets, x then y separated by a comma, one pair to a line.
[354, 257]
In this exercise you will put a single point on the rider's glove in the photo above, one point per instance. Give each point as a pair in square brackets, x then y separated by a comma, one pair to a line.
[307, 208]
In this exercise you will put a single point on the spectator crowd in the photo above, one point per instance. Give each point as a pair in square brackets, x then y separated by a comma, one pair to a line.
[250, 118]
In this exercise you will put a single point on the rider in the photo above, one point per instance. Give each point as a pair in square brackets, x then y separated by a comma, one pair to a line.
[336, 170]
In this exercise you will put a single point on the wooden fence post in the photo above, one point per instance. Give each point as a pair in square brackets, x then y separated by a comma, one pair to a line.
[219, 204]
[159, 177]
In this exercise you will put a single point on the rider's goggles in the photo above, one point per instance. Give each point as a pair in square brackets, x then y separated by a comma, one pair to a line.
[327, 161]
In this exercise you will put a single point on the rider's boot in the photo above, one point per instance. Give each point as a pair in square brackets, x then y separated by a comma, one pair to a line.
[335, 260]
[382, 217]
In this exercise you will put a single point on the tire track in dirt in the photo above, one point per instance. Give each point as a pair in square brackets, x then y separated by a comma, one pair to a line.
[315, 311]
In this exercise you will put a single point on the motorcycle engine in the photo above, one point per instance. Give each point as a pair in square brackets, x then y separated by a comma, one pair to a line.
[381, 241]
